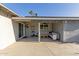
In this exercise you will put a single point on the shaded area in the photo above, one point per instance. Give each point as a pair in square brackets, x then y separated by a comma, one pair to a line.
[35, 39]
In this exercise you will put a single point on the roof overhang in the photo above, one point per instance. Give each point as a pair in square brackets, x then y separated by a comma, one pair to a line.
[8, 10]
[44, 18]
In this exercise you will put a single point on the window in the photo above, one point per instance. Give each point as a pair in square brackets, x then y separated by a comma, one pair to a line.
[44, 25]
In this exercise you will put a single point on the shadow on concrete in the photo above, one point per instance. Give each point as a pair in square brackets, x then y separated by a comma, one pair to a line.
[36, 40]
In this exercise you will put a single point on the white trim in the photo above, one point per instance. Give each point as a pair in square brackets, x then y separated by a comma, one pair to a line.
[44, 18]
[24, 29]
[63, 32]
[39, 32]
[9, 9]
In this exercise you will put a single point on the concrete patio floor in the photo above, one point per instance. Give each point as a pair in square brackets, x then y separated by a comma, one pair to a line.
[54, 48]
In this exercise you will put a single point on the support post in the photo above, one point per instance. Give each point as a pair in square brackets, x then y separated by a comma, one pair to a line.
[39, 32]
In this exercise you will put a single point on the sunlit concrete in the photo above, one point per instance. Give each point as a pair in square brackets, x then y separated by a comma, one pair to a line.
[54, 48]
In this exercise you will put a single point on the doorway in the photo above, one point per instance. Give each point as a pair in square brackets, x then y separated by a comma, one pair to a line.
[20, 30]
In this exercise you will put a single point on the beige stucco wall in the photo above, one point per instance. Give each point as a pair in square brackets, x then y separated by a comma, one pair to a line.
[71, 31]
[15, 28]
[7, 36]
[33, 26]
[58, 27]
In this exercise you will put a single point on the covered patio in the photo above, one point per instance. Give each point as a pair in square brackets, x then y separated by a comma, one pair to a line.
[38, 29]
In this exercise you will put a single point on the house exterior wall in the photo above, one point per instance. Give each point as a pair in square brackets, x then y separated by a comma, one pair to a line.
[58, 28]
[71, 31]
[34, 27]
[16, 29]
[7, 36]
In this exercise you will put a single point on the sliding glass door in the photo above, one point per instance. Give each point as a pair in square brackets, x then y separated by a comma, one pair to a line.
[20, 30]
